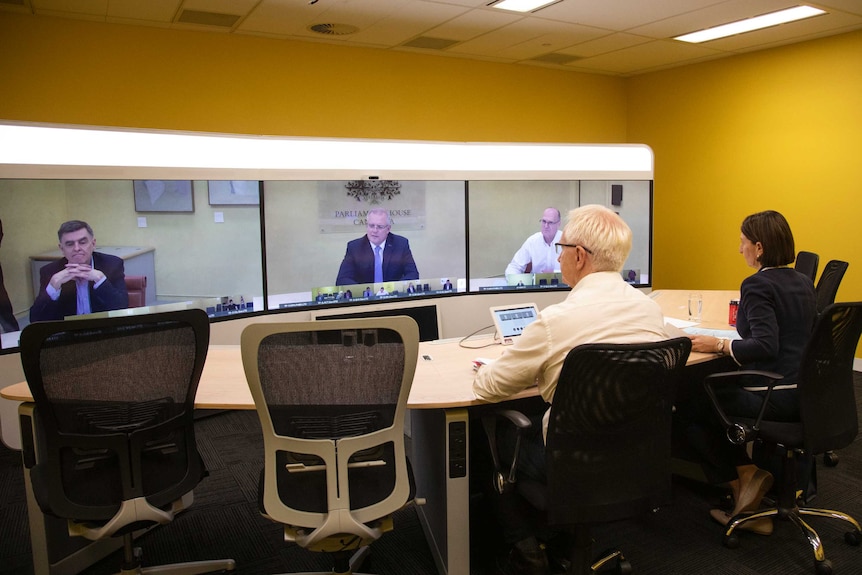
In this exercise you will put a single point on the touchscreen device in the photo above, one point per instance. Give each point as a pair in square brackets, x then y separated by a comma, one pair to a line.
[510, 320]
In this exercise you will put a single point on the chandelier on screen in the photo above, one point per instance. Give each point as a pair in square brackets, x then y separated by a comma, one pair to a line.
[373, 191]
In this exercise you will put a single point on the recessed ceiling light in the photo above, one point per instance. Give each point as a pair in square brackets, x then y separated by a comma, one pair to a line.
[750, 24]
[522, 5]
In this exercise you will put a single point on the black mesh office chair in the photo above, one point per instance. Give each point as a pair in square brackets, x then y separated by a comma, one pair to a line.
[828, 421]
[807, 263]
[825, 291]
[608, 449]
[827, 285]
[114, 436]
[331, 398]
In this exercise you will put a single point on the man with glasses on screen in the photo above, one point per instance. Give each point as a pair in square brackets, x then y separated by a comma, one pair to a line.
[601, 308]
[82, 281]
[537, 254]
[378, 256]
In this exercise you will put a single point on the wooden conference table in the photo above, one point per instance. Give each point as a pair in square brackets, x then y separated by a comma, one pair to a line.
[439, 403]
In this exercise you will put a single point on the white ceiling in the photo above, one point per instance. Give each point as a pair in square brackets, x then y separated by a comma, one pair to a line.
[614, 37]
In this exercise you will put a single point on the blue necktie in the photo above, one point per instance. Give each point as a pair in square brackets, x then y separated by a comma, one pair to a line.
[378, 265]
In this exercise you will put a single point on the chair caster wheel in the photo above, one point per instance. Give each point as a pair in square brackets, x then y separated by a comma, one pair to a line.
[624, 567]
[853, 538]
[823, 567]
[830, 459]
[731, 541]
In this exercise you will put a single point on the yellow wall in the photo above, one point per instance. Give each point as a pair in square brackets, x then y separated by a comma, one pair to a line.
[779, 129]
[81, 72]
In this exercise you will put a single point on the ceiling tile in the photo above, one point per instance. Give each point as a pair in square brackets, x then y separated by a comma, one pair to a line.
[473, 23]
[552, 38]
[650, 55]
[278, 18]
[849, 6]
[619, 15]
[608, 43]
[410, 21]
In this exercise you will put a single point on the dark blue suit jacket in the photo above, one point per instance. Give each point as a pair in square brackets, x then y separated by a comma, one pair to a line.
[358, 264]
[777, 311]
[111, 294]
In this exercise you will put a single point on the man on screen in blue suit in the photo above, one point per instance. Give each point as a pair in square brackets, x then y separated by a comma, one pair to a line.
[378, 256]
[83, 281]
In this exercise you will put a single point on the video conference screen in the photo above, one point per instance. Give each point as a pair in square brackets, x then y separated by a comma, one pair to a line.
[320, 238]
[515, 224]
[239, 247]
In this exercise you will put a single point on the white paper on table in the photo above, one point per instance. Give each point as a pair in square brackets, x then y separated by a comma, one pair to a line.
[721, 333]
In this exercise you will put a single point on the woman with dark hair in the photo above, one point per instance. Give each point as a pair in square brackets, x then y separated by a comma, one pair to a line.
[777, 309]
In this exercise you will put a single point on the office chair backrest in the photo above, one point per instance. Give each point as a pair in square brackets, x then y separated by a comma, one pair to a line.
[114, 401]
[827, 285]
[827, 398]
[807, 263]
[331, 398]
[609, 435]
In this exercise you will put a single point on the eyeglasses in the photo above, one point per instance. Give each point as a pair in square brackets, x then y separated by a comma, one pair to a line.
[561, 246]
[377, 226]
[548, 222]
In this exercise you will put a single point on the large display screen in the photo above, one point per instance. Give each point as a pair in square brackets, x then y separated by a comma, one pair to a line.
[514, 225]
[320, 238]
[239, 247]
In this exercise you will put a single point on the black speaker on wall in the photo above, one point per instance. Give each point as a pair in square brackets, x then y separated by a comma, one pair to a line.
[616, 194]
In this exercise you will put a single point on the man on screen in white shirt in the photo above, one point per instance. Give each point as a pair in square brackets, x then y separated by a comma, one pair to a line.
[538, 254]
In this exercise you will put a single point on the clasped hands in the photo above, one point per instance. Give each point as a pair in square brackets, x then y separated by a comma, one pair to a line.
[73, 272]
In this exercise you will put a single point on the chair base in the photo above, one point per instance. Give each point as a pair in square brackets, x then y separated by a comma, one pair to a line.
[611, 561]
[190, 568]
[583, 562]
[132, 563]
[794, 515]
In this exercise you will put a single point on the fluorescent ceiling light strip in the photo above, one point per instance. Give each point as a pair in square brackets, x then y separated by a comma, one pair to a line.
[750, 24]
[27, 145]
[521, 5]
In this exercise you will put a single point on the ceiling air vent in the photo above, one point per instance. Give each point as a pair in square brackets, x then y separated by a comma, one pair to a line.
[208, 18]
[430, 43]
[555, 58]
[334, 29]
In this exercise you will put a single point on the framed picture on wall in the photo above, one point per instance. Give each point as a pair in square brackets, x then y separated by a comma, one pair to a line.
[234, 192]
[164, 196]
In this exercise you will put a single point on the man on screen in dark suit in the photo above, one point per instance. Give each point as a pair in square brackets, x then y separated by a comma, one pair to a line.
[83, 281]
[378, 256]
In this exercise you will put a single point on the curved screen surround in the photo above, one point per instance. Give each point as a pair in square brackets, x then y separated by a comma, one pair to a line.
[218, 245]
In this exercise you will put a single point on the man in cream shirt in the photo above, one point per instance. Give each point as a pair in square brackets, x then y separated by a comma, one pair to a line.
[601, 308]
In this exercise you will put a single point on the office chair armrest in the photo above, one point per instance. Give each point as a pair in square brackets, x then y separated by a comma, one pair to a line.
[738, 432]
[504, 483]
